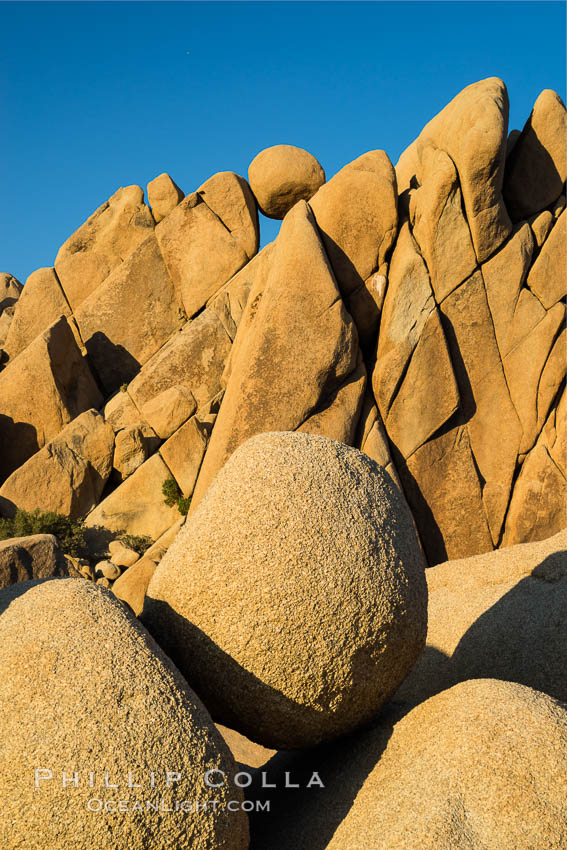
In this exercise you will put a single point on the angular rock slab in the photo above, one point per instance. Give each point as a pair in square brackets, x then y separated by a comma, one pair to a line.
[439, 225]
[493, 424]
[68, 474]
[136, 507]
[472, 131]
[208, 237]
[130, 316]
[41, 391]
[41, 303]
[111, 233]
[537, 166]
[357, 214]
[163, 196]
[537, 506]
[192, 360]
[10, 290]
[547, 278]
[313, 525]
[86, 689]
[440, 482]
[295, 349]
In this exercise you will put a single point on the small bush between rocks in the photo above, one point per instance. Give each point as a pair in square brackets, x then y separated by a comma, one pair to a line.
[172, 495]
[69, 532]
[138, 543]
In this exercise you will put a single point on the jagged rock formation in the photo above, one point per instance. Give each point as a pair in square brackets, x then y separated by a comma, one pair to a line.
[415, 313]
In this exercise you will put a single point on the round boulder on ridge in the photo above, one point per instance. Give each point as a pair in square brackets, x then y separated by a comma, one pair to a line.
[88, 700]
[294, 599]
[281, 176]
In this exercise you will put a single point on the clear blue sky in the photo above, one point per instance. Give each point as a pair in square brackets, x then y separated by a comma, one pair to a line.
[100, 95]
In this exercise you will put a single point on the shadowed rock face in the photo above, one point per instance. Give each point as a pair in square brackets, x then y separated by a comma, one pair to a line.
[451, 773]
[42, 390]
[498, 615]
[36, 556]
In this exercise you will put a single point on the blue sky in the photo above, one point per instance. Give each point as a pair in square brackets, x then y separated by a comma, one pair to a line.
[100, 95]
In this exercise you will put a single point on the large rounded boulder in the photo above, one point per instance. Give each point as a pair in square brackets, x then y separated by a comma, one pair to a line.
[480, 766]
[294, 599]
[103, 743]
[281, 176]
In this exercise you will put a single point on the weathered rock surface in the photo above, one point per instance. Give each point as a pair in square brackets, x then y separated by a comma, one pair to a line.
[36, 556]
[163, 196]
[68, 474]
[10, 290]
[537, 506]
[120, 411]
[41, 303]
[132, 585]
[299, 552]
[193, 359]
[547, 278]
[111, 233]
[107, 570]
[439, 225]
[356, 212]
[498, 616]
[122, 555]
[453, 773]
[537, 166]
[133, 445]
[167, 411]
[41, 391]
[198, 244]
[469, 759]
[245, 752]
[230, 198]
[472, 131]
[115, 705]
[158, 549]
[184, 452]
[135, 507]
[281, 176]
[282, 372]
[116, 345]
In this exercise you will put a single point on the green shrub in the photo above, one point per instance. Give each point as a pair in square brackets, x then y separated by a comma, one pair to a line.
[70, 532]
[172, 495]
[138, 543]
[171, 492]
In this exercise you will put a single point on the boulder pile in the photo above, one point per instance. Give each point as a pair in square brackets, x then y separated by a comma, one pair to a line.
[272, 458]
